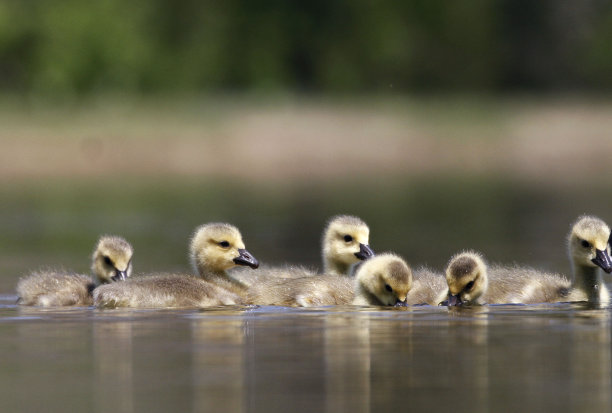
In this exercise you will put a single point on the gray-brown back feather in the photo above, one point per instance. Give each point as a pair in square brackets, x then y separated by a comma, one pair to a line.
[524, 285]
[321, 290]
[51, 288]
[163, 291]
[250, 277]
[427, 287]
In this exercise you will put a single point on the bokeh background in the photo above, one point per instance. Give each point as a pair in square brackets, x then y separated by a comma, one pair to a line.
[444, 125]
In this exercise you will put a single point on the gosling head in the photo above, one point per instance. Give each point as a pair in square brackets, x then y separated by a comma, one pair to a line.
[217, 247]
[589, 243]
[466, 276]
[112, 259]
[345, 242]
[385, 280]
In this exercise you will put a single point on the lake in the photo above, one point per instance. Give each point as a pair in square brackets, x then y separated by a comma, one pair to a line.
[260, 359]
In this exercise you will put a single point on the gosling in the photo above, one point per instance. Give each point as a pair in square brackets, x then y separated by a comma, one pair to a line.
[380, 281]
[344, 244]
[589, 252]
[471, 282]
[427, 287]
[111, 261]
[588, 247]
[214, 249]
[466, 277]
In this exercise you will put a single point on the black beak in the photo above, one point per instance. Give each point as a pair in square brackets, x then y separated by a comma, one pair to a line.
[245, 258]
[365, 252]
[602, 259]
[454, 301]
[400, 303]
[119, 275]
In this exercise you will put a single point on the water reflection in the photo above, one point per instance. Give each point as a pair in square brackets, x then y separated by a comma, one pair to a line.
[590, 362]
[113, 367]
[347, 362]
[477, 359]
[217, 366]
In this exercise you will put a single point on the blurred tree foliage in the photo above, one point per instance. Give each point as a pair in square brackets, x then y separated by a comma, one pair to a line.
[79, 47]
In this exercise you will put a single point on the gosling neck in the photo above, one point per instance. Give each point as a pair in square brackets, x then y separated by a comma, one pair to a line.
[589, 281]
[220, 277]
[336, 268]
[367, 296]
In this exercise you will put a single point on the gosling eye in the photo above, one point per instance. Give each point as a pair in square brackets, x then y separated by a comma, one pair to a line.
[348, 238]
[585, 244]
[469, 285]
[224, 244]
[107, 261]
[388, 288]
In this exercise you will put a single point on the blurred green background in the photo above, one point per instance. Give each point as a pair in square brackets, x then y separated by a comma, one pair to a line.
[444, 125]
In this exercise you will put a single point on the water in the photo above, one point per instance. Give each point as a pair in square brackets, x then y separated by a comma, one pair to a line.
[260, 359]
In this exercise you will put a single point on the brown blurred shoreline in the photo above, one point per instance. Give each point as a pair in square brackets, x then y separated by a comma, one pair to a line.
[304, 141]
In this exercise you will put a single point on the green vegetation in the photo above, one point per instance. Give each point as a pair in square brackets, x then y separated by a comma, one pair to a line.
[66, 47]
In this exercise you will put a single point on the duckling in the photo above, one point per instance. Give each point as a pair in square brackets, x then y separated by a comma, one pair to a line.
[111, 261]
[589, 252]
[466, 277]
[344, 244]
[214, 248]
[470, 281]
[381, 280]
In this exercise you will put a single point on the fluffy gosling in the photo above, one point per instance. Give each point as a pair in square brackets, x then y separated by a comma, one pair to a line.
[381, 280]
[111, 261]
[589, 253]
[214, 249]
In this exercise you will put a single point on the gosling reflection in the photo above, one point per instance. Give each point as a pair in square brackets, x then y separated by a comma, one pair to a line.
[347, 362]
[590, 361]
[218, 364]
[441, 357]
[113, 369]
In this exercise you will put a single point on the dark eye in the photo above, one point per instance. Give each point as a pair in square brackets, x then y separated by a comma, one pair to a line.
[388, 288]
[348, 238]
[224, 244]
[585, 244]
[107, 261]
[469, 285]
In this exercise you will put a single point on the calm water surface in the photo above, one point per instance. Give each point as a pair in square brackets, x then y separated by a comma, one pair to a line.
[260, 359]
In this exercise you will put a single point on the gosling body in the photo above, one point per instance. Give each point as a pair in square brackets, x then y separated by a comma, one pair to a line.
[427, 287]
[344, 244]
[381, 280]
[111, 261]
[214, 249]
[588, 241]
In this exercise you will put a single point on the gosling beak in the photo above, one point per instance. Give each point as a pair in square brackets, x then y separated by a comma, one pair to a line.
[401, 303]
[602, 259]
[454, 301]
[119, 275]
[245, 258]
[365, 252]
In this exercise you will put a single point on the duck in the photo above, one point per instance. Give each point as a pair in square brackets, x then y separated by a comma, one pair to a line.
[344, 244]
[589, 251]
[467, 280]
[214, 249]
[470, 281]
[383, 280]
[111, 262]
